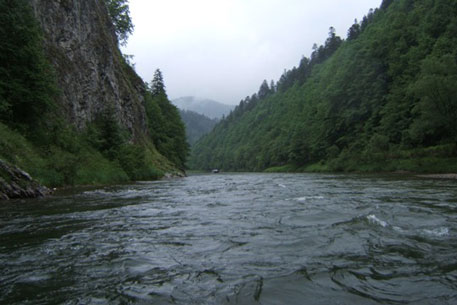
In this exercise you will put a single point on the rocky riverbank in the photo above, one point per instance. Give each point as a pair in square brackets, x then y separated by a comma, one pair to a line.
[16, 183]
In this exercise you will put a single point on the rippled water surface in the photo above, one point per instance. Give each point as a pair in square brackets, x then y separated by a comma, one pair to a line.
[236, 239]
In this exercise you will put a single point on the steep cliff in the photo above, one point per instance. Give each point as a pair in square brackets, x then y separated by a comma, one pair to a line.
[72, 111]
[81, 44]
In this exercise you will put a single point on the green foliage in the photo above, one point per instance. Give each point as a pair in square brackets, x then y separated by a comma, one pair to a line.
[76, 160]
[120, 16]
[166, 128]
[369, 103]
[437, 93]
[158, 84]
[15, 149]
[106, 135]
[27, 84]
[94, 169]
[132, 159]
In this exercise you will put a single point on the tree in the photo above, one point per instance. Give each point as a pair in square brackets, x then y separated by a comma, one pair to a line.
[120, 16]
[386, 3]
[333, 42]
[272, 86]
[166, 128]
[157, 84]
[27, 82]
[264, 90]
[106, 134]
[437, 92]
[354, 30]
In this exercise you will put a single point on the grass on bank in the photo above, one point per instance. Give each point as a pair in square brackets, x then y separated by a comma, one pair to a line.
[435, 159]
[79, 163]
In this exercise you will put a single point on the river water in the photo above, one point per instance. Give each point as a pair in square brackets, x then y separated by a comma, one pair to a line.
[236, 239]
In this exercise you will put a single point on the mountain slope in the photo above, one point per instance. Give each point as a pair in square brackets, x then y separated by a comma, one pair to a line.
[196, 124]
[383, 99]
[207, 107]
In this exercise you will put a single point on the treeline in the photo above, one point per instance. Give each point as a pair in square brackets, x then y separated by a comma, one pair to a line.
[297, 75]
[383, 99]
[33, 137]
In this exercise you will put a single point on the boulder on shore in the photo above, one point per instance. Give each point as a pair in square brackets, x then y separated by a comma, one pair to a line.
[16, 183]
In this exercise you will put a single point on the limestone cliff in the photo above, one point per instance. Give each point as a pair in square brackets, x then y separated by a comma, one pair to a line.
[81, 44]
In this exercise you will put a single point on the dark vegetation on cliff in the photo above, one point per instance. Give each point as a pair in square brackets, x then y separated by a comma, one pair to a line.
[384, 99]
[38, 135]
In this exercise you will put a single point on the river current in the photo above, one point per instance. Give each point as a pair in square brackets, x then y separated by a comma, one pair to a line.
[235, 239]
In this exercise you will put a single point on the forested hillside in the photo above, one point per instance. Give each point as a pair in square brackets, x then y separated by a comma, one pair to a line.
[196, 124]
[80, 115]
[383, 99]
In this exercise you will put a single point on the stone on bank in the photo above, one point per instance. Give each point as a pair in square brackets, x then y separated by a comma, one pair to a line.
[16, 183]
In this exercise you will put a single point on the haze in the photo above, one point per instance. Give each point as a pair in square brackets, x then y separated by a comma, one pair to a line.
[224, 49]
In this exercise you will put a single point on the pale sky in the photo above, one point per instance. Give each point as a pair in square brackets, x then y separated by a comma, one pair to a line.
[224, 49]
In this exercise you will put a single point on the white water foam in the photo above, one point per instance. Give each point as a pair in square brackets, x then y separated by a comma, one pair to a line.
[438, 232]
[306, 198]
[375, 220]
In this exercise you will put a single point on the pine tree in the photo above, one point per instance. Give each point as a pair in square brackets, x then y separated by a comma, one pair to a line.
[264, 90]
[333, 42]
[272, 86]
[167, 130]
[354, 30]
[385, 4]
[157, 84]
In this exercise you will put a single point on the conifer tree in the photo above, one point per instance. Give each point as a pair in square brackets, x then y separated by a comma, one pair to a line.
[157, 84]
[385, 4]
[354, 30]
[272, 86]
[166, 128]
[264, 90]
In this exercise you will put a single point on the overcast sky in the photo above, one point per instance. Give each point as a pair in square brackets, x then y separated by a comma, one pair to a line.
[224, 49]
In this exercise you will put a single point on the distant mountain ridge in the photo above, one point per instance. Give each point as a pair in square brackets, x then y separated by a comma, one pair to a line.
[207, 107]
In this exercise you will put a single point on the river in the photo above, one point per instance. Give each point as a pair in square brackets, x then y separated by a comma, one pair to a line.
[235, 239]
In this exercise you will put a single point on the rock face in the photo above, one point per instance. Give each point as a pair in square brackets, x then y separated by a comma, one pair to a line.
[93, 77]
[15, 183]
